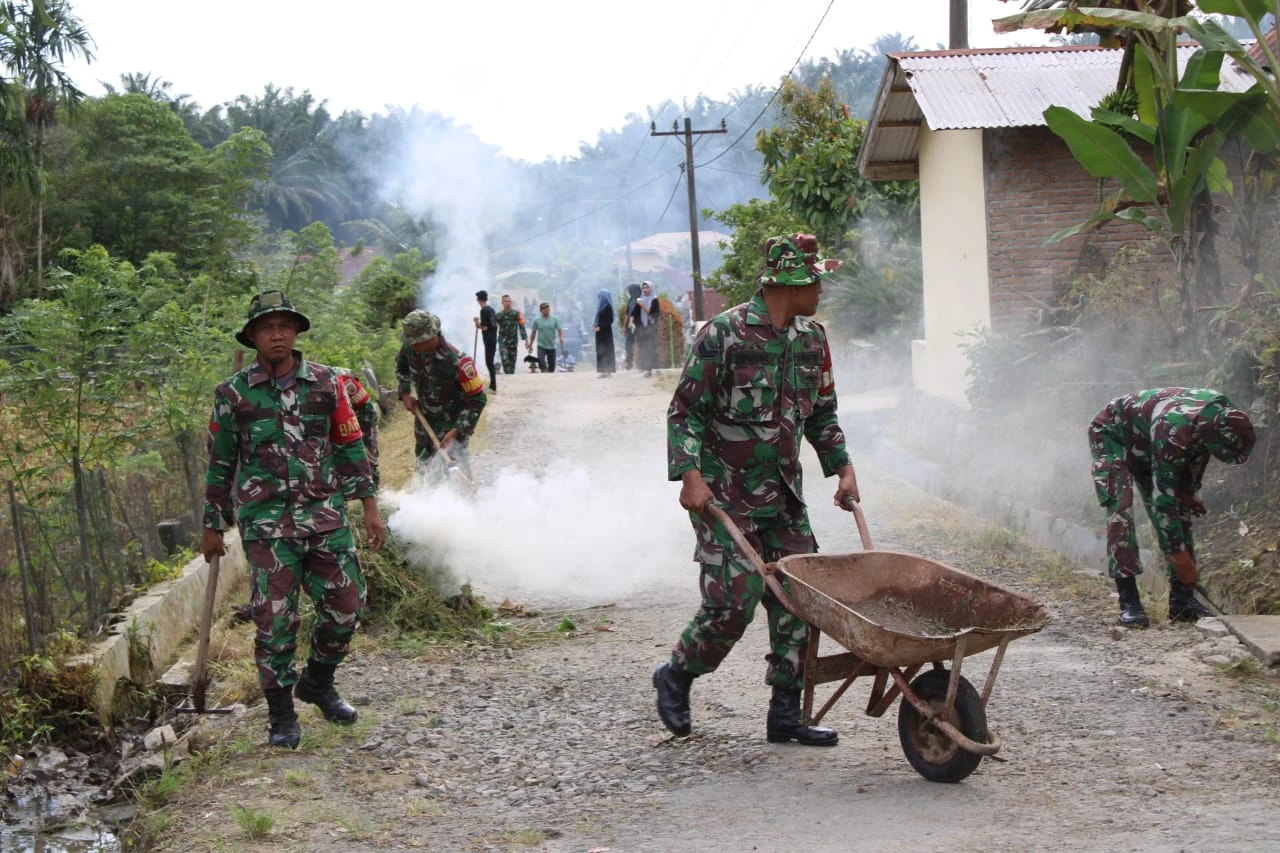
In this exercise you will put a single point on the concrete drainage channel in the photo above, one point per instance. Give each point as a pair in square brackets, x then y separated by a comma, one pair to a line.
[68, 801]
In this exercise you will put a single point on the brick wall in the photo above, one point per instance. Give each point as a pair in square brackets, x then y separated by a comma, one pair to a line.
[1035, 188]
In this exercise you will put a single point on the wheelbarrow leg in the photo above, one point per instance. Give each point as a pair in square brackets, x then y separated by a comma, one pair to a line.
[810, 667]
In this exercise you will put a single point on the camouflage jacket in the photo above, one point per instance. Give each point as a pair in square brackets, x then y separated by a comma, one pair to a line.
[1152, 435]
[509, 324]
[747, 393]
[272, 465]
[449, 390]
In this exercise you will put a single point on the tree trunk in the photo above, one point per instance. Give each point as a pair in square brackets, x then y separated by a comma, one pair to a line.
[86, 556]
[28, 610]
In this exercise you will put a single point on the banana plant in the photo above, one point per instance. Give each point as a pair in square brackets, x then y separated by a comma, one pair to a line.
[1184, 120]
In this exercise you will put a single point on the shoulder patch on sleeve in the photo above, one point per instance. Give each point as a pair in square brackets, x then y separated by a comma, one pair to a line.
[468, 378]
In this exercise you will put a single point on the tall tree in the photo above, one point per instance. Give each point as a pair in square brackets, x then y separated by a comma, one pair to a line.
[43, 35]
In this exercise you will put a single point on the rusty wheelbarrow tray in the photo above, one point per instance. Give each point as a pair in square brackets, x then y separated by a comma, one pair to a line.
[896, 612]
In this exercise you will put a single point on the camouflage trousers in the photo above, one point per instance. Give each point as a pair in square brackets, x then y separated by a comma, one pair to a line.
[731, 589]
[327, 566]
[507, 352]
[1115, 474]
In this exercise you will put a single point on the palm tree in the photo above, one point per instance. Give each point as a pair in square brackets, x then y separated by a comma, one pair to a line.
[42, 36]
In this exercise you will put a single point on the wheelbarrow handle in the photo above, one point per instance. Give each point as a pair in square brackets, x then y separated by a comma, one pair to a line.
[861, 520]
[766, 571]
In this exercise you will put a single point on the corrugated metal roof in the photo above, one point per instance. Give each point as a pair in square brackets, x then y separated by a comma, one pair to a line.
[1007, 87]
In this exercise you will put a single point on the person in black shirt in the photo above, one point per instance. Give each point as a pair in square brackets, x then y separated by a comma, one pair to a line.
[487, 323]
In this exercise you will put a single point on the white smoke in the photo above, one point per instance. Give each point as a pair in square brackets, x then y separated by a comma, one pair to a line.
[469, 191]
[565, 535]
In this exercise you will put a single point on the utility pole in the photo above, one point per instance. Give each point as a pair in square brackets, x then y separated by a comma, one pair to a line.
[959, 25]
[689, 133]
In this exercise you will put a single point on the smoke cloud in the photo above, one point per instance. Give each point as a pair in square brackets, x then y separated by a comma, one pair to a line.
[470, 192]
[563, 535]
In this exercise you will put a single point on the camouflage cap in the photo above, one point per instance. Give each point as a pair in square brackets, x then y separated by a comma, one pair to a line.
[269, 302]
[1229, 435]
[793, 259]
[419, 326]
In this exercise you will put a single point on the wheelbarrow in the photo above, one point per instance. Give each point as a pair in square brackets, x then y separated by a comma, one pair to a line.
[896, 612]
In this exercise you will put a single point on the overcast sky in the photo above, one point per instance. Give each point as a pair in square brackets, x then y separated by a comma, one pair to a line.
[534, 77]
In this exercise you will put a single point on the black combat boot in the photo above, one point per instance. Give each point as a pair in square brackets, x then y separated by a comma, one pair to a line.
[315, 685]
[1131, 613]
[284, 729]
[673, 685]
[784, 721]
[1183, 605]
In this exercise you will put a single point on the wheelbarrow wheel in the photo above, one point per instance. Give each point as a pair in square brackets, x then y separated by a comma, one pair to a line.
[935, 756]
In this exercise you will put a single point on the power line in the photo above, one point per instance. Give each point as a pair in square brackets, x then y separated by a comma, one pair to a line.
[671, 199]
[774, 96]
[554, 228]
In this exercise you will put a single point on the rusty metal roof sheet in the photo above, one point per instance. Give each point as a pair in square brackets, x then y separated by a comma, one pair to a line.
[1004, 87]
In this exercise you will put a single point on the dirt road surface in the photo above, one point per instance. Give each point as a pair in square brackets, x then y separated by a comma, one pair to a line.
[1125, 742]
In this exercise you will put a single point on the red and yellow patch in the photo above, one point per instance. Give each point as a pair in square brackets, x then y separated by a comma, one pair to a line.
[470, 381]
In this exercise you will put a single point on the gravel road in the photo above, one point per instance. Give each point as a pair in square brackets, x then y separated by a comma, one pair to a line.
[1110, 741]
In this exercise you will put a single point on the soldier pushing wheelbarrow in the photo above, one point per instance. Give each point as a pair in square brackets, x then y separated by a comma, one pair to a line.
[757, 380]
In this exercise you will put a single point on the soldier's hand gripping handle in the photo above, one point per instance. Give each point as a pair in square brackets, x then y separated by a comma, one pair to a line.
[1184, 567]
[694, 493]
[847, 488]
[212, 545]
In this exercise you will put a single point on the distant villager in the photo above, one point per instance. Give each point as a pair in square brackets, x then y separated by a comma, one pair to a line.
[487, 324]
[644, 317]
[285, 456]
[629, 327]
[1160, 440]
[758, 380]
[606, 363]
[545, 331]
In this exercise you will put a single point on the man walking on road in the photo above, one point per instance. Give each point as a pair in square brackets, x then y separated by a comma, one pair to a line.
[285, 458]
[543, 332]
[757, 379]
[510, 323]
[1161, 440]
[487, 323]
[450, 394]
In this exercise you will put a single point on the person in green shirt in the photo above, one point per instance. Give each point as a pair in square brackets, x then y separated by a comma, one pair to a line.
[543, 331]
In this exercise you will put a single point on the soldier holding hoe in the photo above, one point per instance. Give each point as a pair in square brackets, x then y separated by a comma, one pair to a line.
[285, 458]
[757, 380]
[449, 391]
[1160, 441]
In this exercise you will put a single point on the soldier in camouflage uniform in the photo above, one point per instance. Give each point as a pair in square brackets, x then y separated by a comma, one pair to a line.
[510, 324]
[285, 458]
[450, 393]
[1161, 440]
[756, 381]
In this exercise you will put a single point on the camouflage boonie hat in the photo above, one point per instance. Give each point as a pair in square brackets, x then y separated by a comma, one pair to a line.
[793, 259]
[268, 302]
[419, 326]
[1229, 435]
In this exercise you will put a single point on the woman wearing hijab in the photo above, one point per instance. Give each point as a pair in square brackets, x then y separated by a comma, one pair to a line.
[645, 317]
[603, 326]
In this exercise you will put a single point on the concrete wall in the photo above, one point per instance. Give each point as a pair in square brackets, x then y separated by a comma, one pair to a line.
[953, 239]
[159, 621]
